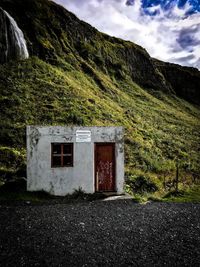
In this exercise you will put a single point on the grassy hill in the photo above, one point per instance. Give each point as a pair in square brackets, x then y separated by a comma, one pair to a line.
[159, 127]
[95, 81]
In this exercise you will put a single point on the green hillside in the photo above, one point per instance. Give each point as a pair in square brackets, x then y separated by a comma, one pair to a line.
[158, 127]
[98, 81]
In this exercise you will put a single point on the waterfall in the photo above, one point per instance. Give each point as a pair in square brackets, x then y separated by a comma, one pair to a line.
[12, 41]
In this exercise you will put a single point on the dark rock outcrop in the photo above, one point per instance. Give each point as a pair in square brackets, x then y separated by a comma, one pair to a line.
[184, 80]
[12, 42]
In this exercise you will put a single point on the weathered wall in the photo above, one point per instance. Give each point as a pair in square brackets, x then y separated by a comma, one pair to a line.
[64, 180]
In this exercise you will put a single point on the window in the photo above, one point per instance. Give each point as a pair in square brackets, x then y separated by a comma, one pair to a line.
[61, 155]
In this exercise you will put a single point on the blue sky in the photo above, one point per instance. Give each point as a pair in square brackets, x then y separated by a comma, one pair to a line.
[168, 5]
[168, 29]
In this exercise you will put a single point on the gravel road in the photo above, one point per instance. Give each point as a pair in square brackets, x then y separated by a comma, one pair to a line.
[100, 233]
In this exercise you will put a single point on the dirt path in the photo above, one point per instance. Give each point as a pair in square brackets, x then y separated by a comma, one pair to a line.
[100, 233]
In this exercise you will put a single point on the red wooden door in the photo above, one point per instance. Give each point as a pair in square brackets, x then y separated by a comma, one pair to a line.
[105, 167]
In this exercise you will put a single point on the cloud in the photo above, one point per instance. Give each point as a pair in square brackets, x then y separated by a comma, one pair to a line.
[187, 38]
[168, 33]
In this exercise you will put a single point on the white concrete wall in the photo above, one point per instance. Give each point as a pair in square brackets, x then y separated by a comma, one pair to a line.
[64, 180]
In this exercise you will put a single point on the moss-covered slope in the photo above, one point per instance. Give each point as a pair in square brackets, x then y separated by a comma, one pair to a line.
[158, 128]
[76, 75]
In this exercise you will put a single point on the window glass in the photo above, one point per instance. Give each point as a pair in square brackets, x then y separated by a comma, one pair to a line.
[62, 154]
[67, 149]
[67, 161]
[56, 161]
[56, 148]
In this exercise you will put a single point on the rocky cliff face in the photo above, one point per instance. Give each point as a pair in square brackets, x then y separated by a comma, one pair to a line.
[12, 42]
[184, 80]
[53, 33]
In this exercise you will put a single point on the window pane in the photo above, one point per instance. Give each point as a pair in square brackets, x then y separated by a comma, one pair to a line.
[67, 161]
[56, 161]
[62, 154]
[67, 148]
[56, 148]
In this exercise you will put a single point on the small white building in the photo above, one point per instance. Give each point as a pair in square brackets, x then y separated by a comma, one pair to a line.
[63, 159]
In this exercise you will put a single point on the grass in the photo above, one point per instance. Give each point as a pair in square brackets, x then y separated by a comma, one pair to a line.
[43, 197]
[87, 79]
[189, 195]
[15, 191]
[91, 83]
[145, 186]
[158, 127]
[74, 80]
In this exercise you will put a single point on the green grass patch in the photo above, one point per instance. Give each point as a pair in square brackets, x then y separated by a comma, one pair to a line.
[159, 128]
[188, 195]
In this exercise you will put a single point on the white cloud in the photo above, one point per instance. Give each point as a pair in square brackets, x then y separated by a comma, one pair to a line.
[181, 12]
[159, 34]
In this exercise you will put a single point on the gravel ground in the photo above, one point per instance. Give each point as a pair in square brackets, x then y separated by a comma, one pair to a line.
[100, 233]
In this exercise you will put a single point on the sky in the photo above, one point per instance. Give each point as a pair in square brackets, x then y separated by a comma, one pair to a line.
[168, 29]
